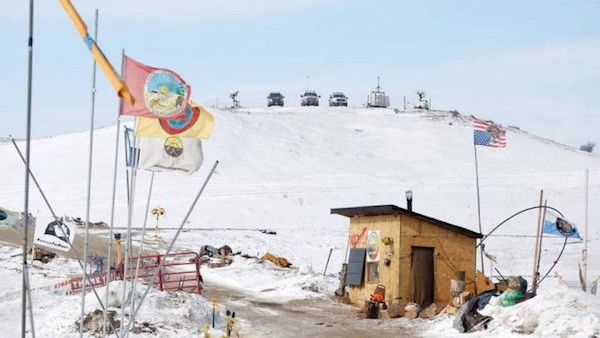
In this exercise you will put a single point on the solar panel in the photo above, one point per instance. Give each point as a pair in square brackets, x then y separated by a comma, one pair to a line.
[356, 266]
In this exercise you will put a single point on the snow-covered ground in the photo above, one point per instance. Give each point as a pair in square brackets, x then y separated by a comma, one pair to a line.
[168, 314]
[284, 168]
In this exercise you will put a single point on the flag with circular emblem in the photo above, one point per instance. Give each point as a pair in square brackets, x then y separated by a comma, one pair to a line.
[196, 122]
[161, 92]
[172, 153]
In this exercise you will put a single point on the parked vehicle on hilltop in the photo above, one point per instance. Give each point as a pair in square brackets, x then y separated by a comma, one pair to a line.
[275, 99]
[338, 99]
[309, 98]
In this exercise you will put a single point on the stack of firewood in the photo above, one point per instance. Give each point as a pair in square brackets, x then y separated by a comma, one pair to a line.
[458, 293]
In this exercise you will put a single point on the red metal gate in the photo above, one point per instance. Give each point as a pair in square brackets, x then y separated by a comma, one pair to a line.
[180, 271]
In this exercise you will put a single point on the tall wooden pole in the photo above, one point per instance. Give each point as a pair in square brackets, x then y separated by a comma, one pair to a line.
[539, 254]
[326, 264]
[534, 275]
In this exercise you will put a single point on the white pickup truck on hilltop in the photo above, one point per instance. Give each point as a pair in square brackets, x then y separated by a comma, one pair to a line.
[338, 99]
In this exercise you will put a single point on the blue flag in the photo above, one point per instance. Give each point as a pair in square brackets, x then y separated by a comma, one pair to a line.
[556, 225]
[132, 153]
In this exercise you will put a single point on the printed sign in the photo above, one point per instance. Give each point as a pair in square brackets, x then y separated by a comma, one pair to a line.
[373, 245]
[56, 235]
[75, 284]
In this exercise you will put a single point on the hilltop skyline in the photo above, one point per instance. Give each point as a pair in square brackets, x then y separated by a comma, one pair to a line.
[529, 65]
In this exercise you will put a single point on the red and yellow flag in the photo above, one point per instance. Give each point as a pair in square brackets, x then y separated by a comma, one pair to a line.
[196, 122]
[161, 92]
[106, 67]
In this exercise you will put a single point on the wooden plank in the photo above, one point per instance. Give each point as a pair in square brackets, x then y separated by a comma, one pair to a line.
[452, 252]
[483, 283]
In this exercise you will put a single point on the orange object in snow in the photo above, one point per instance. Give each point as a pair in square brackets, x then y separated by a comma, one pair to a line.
[377, 297]
[379, 294]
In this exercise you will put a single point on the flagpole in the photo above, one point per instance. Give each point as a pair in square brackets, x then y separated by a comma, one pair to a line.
[162, 261]
[538, 243]
[89, 179]
[585, 240]
[137, 267]
[34, 179]
[126, 142]
[478, 205]
[132, 180]
[30, 306]
[112, 206]
[72, 248]
[25, 285]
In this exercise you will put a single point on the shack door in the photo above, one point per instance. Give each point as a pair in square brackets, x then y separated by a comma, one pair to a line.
[421, 276]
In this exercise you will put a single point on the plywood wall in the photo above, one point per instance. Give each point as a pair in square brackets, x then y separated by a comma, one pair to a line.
[389, 226]
[452, 252]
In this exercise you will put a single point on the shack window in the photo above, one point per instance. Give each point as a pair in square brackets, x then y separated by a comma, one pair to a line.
[373, 272]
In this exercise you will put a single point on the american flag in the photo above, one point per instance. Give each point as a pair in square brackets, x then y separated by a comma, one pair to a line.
[489, 134]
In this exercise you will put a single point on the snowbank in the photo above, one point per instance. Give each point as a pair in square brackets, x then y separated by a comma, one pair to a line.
[557, 311]
[163, 314]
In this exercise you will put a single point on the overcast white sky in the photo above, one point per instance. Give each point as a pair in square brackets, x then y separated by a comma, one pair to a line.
[530, 64]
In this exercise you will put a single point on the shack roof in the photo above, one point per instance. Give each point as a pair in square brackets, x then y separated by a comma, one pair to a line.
[378, 210]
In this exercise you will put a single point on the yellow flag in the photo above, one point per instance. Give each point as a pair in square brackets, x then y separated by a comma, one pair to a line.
[106, 67]
[196, 122]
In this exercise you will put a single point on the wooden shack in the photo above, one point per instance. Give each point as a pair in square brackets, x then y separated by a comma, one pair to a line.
[412, 255]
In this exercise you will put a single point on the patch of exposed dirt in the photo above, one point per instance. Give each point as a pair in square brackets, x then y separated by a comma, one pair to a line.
[96, 245]
[324, 317]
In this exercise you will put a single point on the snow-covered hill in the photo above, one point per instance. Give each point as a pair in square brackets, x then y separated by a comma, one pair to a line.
[302, 161]
[284, 168]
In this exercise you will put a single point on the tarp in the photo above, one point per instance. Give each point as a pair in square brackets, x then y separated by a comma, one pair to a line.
[14, 219]
[468, 319]
[9, 218]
